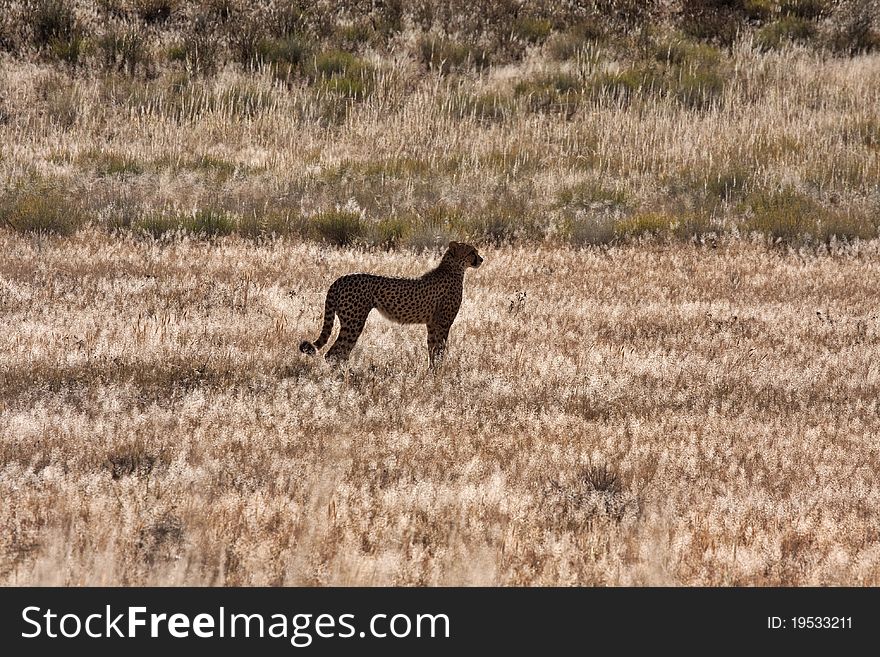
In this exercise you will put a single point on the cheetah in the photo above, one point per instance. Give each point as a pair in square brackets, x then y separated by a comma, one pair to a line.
[432, 299]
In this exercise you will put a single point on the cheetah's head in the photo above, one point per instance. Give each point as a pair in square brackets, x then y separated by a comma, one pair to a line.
[465, 254]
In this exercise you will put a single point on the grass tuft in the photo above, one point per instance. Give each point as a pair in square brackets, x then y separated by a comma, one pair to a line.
[41, 206]
[338, 227]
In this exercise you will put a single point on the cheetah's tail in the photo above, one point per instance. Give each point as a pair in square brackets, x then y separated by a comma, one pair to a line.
[311, 348]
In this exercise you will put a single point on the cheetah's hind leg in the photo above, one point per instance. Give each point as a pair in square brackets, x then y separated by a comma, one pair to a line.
[349, 332]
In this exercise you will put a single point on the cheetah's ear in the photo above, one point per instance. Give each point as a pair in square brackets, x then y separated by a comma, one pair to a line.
[452, 245]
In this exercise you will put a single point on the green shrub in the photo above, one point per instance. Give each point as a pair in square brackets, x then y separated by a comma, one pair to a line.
[284, 55]
[52, 22]
[124, 51]
[356, 35]
[865, 132]
[122, 213]
[699, 89]
[531, 29]
[9, 32]
[784, 214]
[111, 164]
[444, 55]
[338, 227]
[566, 45]
[223, 169]
[68, 51]
[63, 102]
[694, 224]
[686, 54]
[847, 226]
[41, 206]
[387, 18]
[291, 50]
[335, 62]
[431, 226]
[55, 29]
[272, 222]
[789, 216]
[200, 50]
[692, 74]
[177, 52]
[245, 101]
[645, 223]
[718, 21]
[204, 222]
[550, 92]
[347, 86]
[209, 223]
[725, 183]
[503, 218]
[342, 74]
[688, 73]
[157, 225]
[624, 85]
[853, 29]
[758, 10]
[391, 231]
[496, 228]
[787, 29]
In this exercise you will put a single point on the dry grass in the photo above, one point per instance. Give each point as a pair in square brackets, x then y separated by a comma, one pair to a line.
[650, 414]
[664, 373]
[688, 131]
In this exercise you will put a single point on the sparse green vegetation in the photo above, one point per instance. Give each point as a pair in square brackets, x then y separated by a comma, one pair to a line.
[556, 92]
[646, 223]
[41, 206]
[785, 214]
[390, 232]
[788, 29]
[204, 223]
[481, 107]
[284, 55]
[569, 43]
[444, 55]
[338, 227]
[531, 29]
[792, 217]
[557, 127]
[125, 51]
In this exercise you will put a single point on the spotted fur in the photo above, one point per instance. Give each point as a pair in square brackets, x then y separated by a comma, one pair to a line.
[432, 299]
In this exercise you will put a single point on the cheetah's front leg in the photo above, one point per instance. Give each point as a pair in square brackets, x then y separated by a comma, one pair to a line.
[437, 335]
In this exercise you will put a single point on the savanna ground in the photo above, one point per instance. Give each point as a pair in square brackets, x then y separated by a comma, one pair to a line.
[664, 373]
[639, 415]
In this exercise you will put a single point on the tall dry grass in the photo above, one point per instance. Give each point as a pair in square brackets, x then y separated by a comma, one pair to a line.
[639, 390]
[685, 140]
[650, 414]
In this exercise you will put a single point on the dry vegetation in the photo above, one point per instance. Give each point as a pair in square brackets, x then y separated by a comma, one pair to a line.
[638, 415]
[569, 128]
[665, 372]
